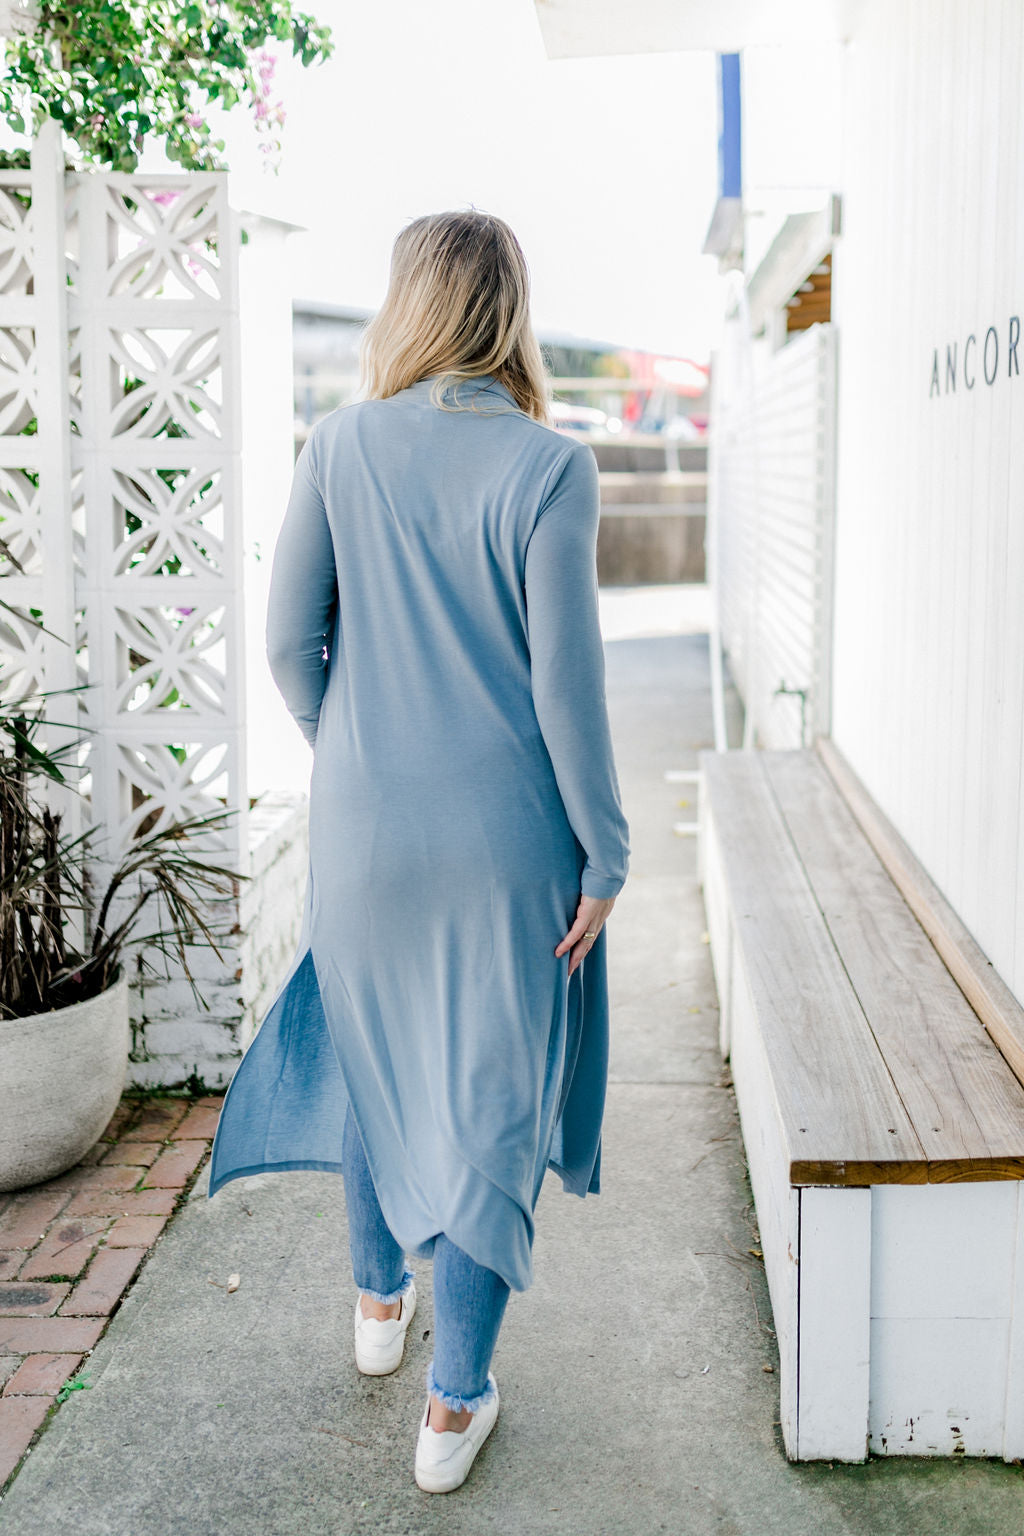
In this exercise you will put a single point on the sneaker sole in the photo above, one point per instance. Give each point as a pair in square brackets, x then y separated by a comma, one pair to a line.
[386, 1367]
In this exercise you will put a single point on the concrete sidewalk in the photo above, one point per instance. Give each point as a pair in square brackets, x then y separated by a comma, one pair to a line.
[634, 1394]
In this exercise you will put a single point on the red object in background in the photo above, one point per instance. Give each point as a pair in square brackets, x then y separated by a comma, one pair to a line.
[680, 374]
[654, 372]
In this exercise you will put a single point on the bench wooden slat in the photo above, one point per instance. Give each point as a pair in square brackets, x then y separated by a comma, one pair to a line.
[846, 1125]
[972, 970]
[965, 1104]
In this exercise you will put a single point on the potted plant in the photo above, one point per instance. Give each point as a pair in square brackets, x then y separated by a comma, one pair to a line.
[64, 1022]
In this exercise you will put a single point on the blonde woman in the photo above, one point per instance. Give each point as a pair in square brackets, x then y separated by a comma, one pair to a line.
[441, 1038]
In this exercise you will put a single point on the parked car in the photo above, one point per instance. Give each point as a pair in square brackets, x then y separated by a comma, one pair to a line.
[566, 417]
[683, 429]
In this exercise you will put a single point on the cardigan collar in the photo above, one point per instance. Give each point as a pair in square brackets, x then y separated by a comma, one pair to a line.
[465, 389]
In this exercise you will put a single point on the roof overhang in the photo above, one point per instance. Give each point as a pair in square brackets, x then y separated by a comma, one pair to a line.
[580, 28]
[724, 238]
[803, 241]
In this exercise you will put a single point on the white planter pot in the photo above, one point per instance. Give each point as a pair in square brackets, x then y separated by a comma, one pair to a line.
[61, 1076]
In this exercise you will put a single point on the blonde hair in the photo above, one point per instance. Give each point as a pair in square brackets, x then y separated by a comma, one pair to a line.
[458, 305]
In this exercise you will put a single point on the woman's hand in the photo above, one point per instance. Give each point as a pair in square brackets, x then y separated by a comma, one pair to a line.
[591, 916]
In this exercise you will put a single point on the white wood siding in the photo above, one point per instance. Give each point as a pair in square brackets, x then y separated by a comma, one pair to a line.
[928, 680]
[772, 461]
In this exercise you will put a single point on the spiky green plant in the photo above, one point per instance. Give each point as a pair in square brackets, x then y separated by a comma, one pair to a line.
[44, 879]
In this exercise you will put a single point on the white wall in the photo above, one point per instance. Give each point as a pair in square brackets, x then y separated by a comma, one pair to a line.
[928, 679]
[791, 136]
[271, 902]
[278, 756]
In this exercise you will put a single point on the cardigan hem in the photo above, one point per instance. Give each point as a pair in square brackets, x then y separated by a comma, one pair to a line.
[293, 1164]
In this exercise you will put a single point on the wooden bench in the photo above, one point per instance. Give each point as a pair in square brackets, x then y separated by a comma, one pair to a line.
[883, 1125]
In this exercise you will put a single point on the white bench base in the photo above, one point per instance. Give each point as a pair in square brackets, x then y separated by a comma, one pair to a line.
[898, 1308]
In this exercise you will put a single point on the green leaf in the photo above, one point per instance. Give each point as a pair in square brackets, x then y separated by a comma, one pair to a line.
[80, 1384]
[125, 71]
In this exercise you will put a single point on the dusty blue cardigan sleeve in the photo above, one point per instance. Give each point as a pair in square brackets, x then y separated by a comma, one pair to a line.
[303, 597]
[567, 668]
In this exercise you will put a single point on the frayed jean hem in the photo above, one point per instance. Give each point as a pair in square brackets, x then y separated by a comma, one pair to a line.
[387, 1297]
[454, 1401]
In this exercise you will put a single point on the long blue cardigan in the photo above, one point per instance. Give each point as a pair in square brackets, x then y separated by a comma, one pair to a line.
[433, 628]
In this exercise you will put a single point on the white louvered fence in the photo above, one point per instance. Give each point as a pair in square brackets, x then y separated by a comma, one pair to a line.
[774, 484]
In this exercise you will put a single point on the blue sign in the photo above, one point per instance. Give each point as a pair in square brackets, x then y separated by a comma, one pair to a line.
[730, 160]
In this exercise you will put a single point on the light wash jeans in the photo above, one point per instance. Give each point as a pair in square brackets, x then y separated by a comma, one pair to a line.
[469, 1300]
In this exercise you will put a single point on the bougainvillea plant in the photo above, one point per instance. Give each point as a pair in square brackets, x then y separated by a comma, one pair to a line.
[116, 75]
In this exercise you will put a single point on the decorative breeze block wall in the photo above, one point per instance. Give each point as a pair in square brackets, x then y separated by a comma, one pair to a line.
[119, 498]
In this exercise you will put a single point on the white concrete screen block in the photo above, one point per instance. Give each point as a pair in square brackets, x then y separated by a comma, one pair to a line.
[120, 455]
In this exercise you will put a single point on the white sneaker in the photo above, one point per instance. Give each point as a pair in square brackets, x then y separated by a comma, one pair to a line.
[380, 1344]
[443, 1460]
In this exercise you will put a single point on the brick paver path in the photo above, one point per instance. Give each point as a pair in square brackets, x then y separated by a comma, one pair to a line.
[70, 1248]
